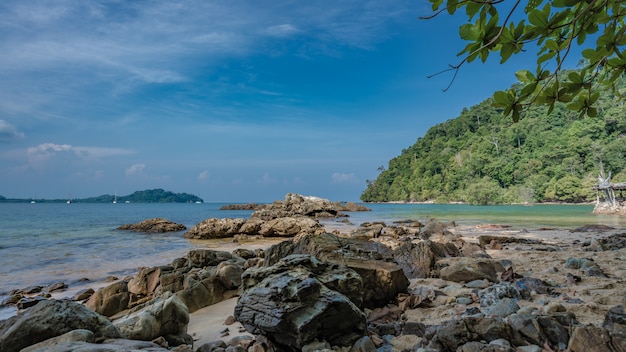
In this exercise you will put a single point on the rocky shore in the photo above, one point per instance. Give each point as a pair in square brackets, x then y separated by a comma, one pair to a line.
[414, 285]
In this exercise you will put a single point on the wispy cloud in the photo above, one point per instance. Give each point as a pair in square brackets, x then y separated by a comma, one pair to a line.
[155, 41]
[339, 177]
[46, 151]
[266, 179]
[281, 30]
[135, 169]
[8, 132]
[204, 175]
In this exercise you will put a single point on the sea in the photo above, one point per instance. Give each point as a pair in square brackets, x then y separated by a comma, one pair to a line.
[79, 244]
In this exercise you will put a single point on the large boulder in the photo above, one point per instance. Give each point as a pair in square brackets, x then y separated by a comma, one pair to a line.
[154, 225]
[49, 319]
[166, 316]
[597, 339]
[289, 227]
[285, 226]
[201, 289]
[113, 345]
[298, 205]
[215, 228]
[111, 299]
[419, 259]
[301, 299]
[470, 269]
[383, 279]
[145, 282]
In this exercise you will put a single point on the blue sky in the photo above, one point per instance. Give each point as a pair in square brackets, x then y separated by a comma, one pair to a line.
[234, 101]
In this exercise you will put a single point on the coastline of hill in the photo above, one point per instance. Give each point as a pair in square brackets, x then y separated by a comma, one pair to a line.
[146, 196]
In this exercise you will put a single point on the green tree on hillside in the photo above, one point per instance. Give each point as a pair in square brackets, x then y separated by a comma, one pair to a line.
[556, 27]
[543, 157]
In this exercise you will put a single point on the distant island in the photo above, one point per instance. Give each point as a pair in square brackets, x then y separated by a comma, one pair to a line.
[148, 196]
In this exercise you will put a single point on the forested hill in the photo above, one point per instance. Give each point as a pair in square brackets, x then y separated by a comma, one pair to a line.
[148, 196]
[482, 157]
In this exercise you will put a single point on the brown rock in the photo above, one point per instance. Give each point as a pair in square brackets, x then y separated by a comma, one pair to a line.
[154, 225]
[215, 228]
[110, 300]
[597, 339]
[418, 260]
[469, 269]
[145, 282]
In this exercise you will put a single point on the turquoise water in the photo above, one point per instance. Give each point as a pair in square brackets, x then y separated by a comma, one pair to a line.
[44, 243]
[519, 216]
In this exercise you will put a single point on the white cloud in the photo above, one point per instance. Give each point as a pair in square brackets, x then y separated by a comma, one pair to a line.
[281, 30]
[8, 132]
[266, 179]
[46, 151]
[339, 177]
[136, 169]
[204, 175]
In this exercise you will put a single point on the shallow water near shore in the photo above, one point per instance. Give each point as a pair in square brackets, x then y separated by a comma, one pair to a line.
[41, 244]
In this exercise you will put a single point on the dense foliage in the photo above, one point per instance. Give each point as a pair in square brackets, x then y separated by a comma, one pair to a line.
[482, 157]
[555, 27]
[147, 196]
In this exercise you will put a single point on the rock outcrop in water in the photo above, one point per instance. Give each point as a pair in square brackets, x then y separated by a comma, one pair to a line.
[155, 225]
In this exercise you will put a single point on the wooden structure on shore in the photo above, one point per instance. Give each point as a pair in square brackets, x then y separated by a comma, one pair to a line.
[611, 203]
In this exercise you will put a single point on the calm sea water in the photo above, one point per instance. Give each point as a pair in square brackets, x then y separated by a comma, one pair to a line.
[44, 243]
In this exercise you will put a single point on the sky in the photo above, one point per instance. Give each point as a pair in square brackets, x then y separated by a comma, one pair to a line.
[233, 101]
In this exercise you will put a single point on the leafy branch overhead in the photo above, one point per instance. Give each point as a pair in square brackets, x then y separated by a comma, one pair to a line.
[555, 27]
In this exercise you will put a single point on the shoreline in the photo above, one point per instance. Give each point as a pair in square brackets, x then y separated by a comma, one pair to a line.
[544, 262]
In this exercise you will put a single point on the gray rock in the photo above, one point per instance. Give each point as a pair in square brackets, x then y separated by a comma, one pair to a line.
[154, 225]
[597, 339]
[495, 293]
[215, 228]
[78, 335]
[291, 304]
[117, 345]
[418, 260]
[503, 307]
[469, 269]
[298, 205]
[49, 319]
[111, 299]
[364, 344]
[382, 278]
[586, 265]
[167, 315]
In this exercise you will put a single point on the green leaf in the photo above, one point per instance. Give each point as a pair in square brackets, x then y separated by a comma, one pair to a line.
[436, 4]
[591, 55]
[502, 98]
[552, 45]
[545, 57]
[469, 31]
[506, 51]
[472, 8]
[528, 89]
[451, 6]
[525, 76]
[575, 77]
